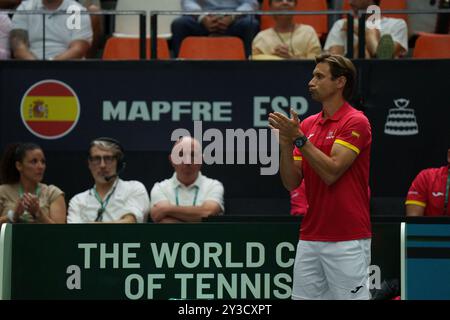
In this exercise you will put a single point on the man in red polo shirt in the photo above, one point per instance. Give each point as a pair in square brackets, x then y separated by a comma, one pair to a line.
[331, 151]
[429, 192]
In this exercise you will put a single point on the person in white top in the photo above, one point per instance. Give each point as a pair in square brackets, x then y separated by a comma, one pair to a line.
[63, 41]
[286, 40]
[188, 196]
[390, 41]
[111, 199]
[5, 28]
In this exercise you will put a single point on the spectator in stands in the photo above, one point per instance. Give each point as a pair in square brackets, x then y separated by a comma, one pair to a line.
[286, 40]
[111, 199]
[429, 192]
[391, 41]
[187, 196]
[61, 42]
[5, 28]
[244, 27]
[299, 203]
[23, 197]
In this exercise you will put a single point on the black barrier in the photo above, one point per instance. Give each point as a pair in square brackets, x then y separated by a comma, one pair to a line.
[119, 99]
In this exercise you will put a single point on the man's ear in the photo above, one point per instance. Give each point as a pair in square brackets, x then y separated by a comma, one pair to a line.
[341, 82]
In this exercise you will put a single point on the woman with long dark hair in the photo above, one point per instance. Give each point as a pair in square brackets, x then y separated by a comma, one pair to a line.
[23, 196]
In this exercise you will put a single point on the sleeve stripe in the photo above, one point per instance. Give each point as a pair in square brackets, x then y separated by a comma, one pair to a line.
[348, 145]
[298, 158]
[417, 203]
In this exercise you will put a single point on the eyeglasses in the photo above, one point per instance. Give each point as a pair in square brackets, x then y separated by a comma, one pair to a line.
[96, 160]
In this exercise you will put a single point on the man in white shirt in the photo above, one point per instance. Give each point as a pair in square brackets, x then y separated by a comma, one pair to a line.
[391, 41]
[111, 199]
[63, 41]
[188, 196]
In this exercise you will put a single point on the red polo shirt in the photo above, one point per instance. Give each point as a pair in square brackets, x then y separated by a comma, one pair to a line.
[299, 204]
[428, 191]
[339, 212]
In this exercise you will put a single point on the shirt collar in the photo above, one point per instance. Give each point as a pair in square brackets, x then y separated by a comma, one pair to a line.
[113, 187]
[176, 183]
[337, 115]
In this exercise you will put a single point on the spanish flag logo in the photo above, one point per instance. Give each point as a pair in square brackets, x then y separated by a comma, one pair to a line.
[50, 109]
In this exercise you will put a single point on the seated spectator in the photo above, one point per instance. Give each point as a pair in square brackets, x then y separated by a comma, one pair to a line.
[5, 28]
[429, 192]
[244, 27]
[61, 42]
[111, 199]
[287, 40]
[299, 203]
[391, 41]
[421, 22]
[188, 196]
[23, 197]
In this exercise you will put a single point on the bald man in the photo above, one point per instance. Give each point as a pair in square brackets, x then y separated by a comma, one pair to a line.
[188, 196]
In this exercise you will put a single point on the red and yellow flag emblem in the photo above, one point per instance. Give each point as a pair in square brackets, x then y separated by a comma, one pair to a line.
[50, 109]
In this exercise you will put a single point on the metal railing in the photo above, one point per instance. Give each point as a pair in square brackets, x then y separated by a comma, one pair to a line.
[142, 22]
[361, 15]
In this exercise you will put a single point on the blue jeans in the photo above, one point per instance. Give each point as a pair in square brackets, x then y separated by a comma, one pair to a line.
[245, 28]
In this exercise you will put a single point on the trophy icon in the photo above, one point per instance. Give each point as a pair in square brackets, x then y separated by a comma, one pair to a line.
[400, 120]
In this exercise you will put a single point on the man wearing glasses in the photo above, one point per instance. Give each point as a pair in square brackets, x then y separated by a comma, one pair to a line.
[111, 199]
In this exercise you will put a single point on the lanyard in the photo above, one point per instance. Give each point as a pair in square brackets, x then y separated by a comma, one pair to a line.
[446, 192]
[103, 204]
[195, 196]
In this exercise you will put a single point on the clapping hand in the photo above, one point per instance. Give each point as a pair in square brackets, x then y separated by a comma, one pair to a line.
[288, 127]
[31, 204]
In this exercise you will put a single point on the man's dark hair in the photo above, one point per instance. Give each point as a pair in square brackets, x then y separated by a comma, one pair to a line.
[340, 66]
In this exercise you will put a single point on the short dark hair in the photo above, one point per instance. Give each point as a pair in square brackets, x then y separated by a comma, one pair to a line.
[340, 66]
[14, 152]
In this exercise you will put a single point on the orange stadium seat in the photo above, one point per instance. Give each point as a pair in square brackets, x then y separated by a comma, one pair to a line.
[117, 48]
[432, 46]
[318, 22]
[212, 48]
[387, 5]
